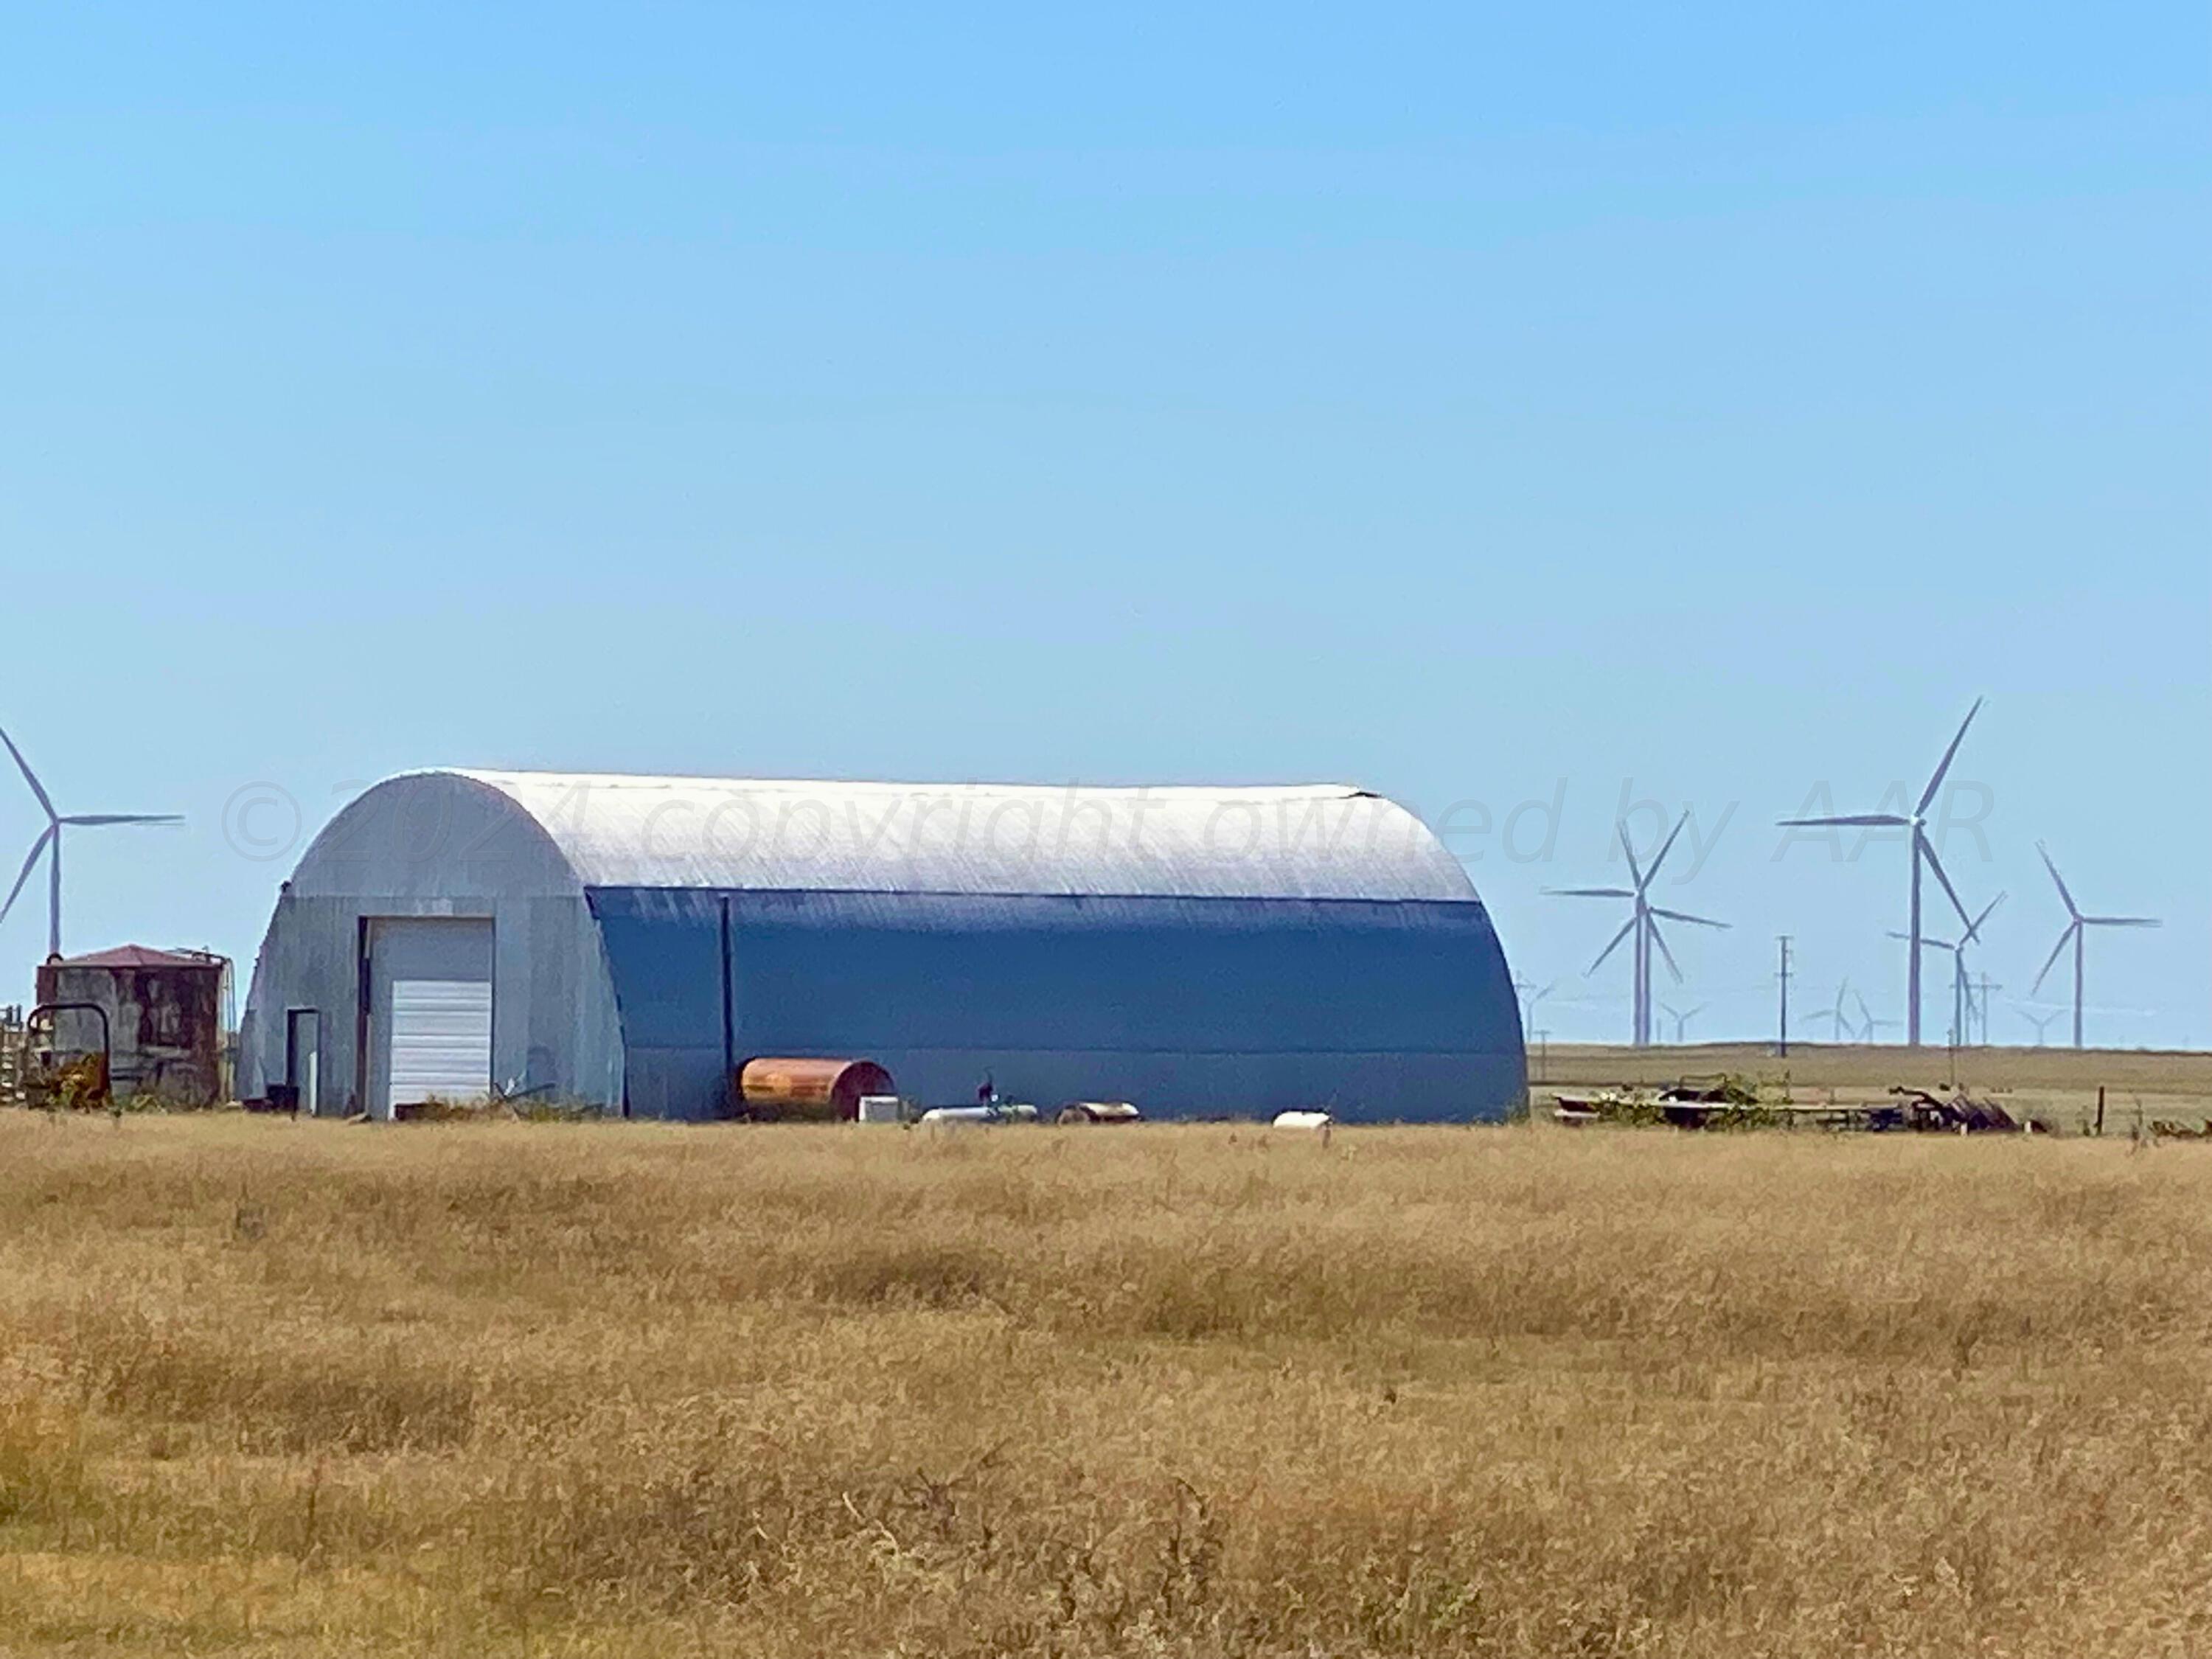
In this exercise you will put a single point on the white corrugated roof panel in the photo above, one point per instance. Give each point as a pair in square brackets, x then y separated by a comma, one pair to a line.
[1321, 840]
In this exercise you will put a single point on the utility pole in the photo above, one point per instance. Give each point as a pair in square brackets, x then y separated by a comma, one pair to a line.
[1522, 987]
[1781, 1043]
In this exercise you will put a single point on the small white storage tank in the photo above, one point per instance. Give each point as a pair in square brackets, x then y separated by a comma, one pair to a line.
[1307, 1120]
[953, 1117]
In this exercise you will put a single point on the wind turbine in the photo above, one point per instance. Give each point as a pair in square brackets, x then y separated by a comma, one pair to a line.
[1869, 1027]
[2041, 1022]
[1923, 850]
[1962, 985]
[1643, 922]
[49, 843]
[2077, 928]
[1681, 1018]
[1838, 1026]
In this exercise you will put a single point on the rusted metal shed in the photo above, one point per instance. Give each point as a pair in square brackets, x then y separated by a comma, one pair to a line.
[164, 1014]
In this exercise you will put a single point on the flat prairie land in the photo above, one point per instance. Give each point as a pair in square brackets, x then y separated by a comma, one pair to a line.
[2057, 1085]
[310, 1389]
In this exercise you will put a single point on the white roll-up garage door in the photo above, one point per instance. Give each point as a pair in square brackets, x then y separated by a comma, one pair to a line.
[430, 1008]
[440, 1040]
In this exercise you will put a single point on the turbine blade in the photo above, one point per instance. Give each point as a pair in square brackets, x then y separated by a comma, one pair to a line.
[1967, 938]
[2122, 922]
[29, 776]
[1665, 848]
[29, 864]
[1621, 826]
[2072, 909]
[1588, 892]
[1921, 841]
[1659, 939]
[92, 820]
[1944, 765]
[1626, 928]
[1684, 915]
[2051, 960]
[1852, 821]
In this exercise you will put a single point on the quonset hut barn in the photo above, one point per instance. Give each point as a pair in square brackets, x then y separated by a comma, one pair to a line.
[631, 942]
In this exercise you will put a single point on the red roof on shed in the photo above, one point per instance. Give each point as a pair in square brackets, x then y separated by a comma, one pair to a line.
[141, 955]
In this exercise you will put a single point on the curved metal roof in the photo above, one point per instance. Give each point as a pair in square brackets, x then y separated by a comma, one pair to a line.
[1321, 840]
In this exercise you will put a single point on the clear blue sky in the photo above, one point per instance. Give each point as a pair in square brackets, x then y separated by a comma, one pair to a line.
[1475, 403]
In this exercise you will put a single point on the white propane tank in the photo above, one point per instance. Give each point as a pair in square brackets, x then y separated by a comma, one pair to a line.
[952, 1117]
[957, 1117]
[1307, 1120]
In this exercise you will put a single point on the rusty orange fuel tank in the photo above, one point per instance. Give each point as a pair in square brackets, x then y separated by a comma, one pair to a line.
[809, 1090]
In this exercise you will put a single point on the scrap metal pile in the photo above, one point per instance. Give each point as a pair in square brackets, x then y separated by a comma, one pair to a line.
[1734, 1103]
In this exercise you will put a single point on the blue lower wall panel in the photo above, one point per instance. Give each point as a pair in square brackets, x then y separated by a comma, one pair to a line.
[1387, 1011]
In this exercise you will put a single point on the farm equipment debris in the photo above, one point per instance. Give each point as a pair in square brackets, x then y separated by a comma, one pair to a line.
[1732, 1103]
[2165, 1128]
[1099, 1111]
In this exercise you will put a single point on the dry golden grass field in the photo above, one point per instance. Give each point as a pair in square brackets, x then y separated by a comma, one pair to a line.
[281, 1388]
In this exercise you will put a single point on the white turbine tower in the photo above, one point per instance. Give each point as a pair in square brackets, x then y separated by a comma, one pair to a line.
[1923, 850]
[2077, 928]
[1839, 1024]
[1643, 922]
[49, 843]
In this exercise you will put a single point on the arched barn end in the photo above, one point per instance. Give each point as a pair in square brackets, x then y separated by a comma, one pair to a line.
[630, 942]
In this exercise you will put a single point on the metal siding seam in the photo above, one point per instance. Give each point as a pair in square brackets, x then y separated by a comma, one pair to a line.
[729, 1013]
